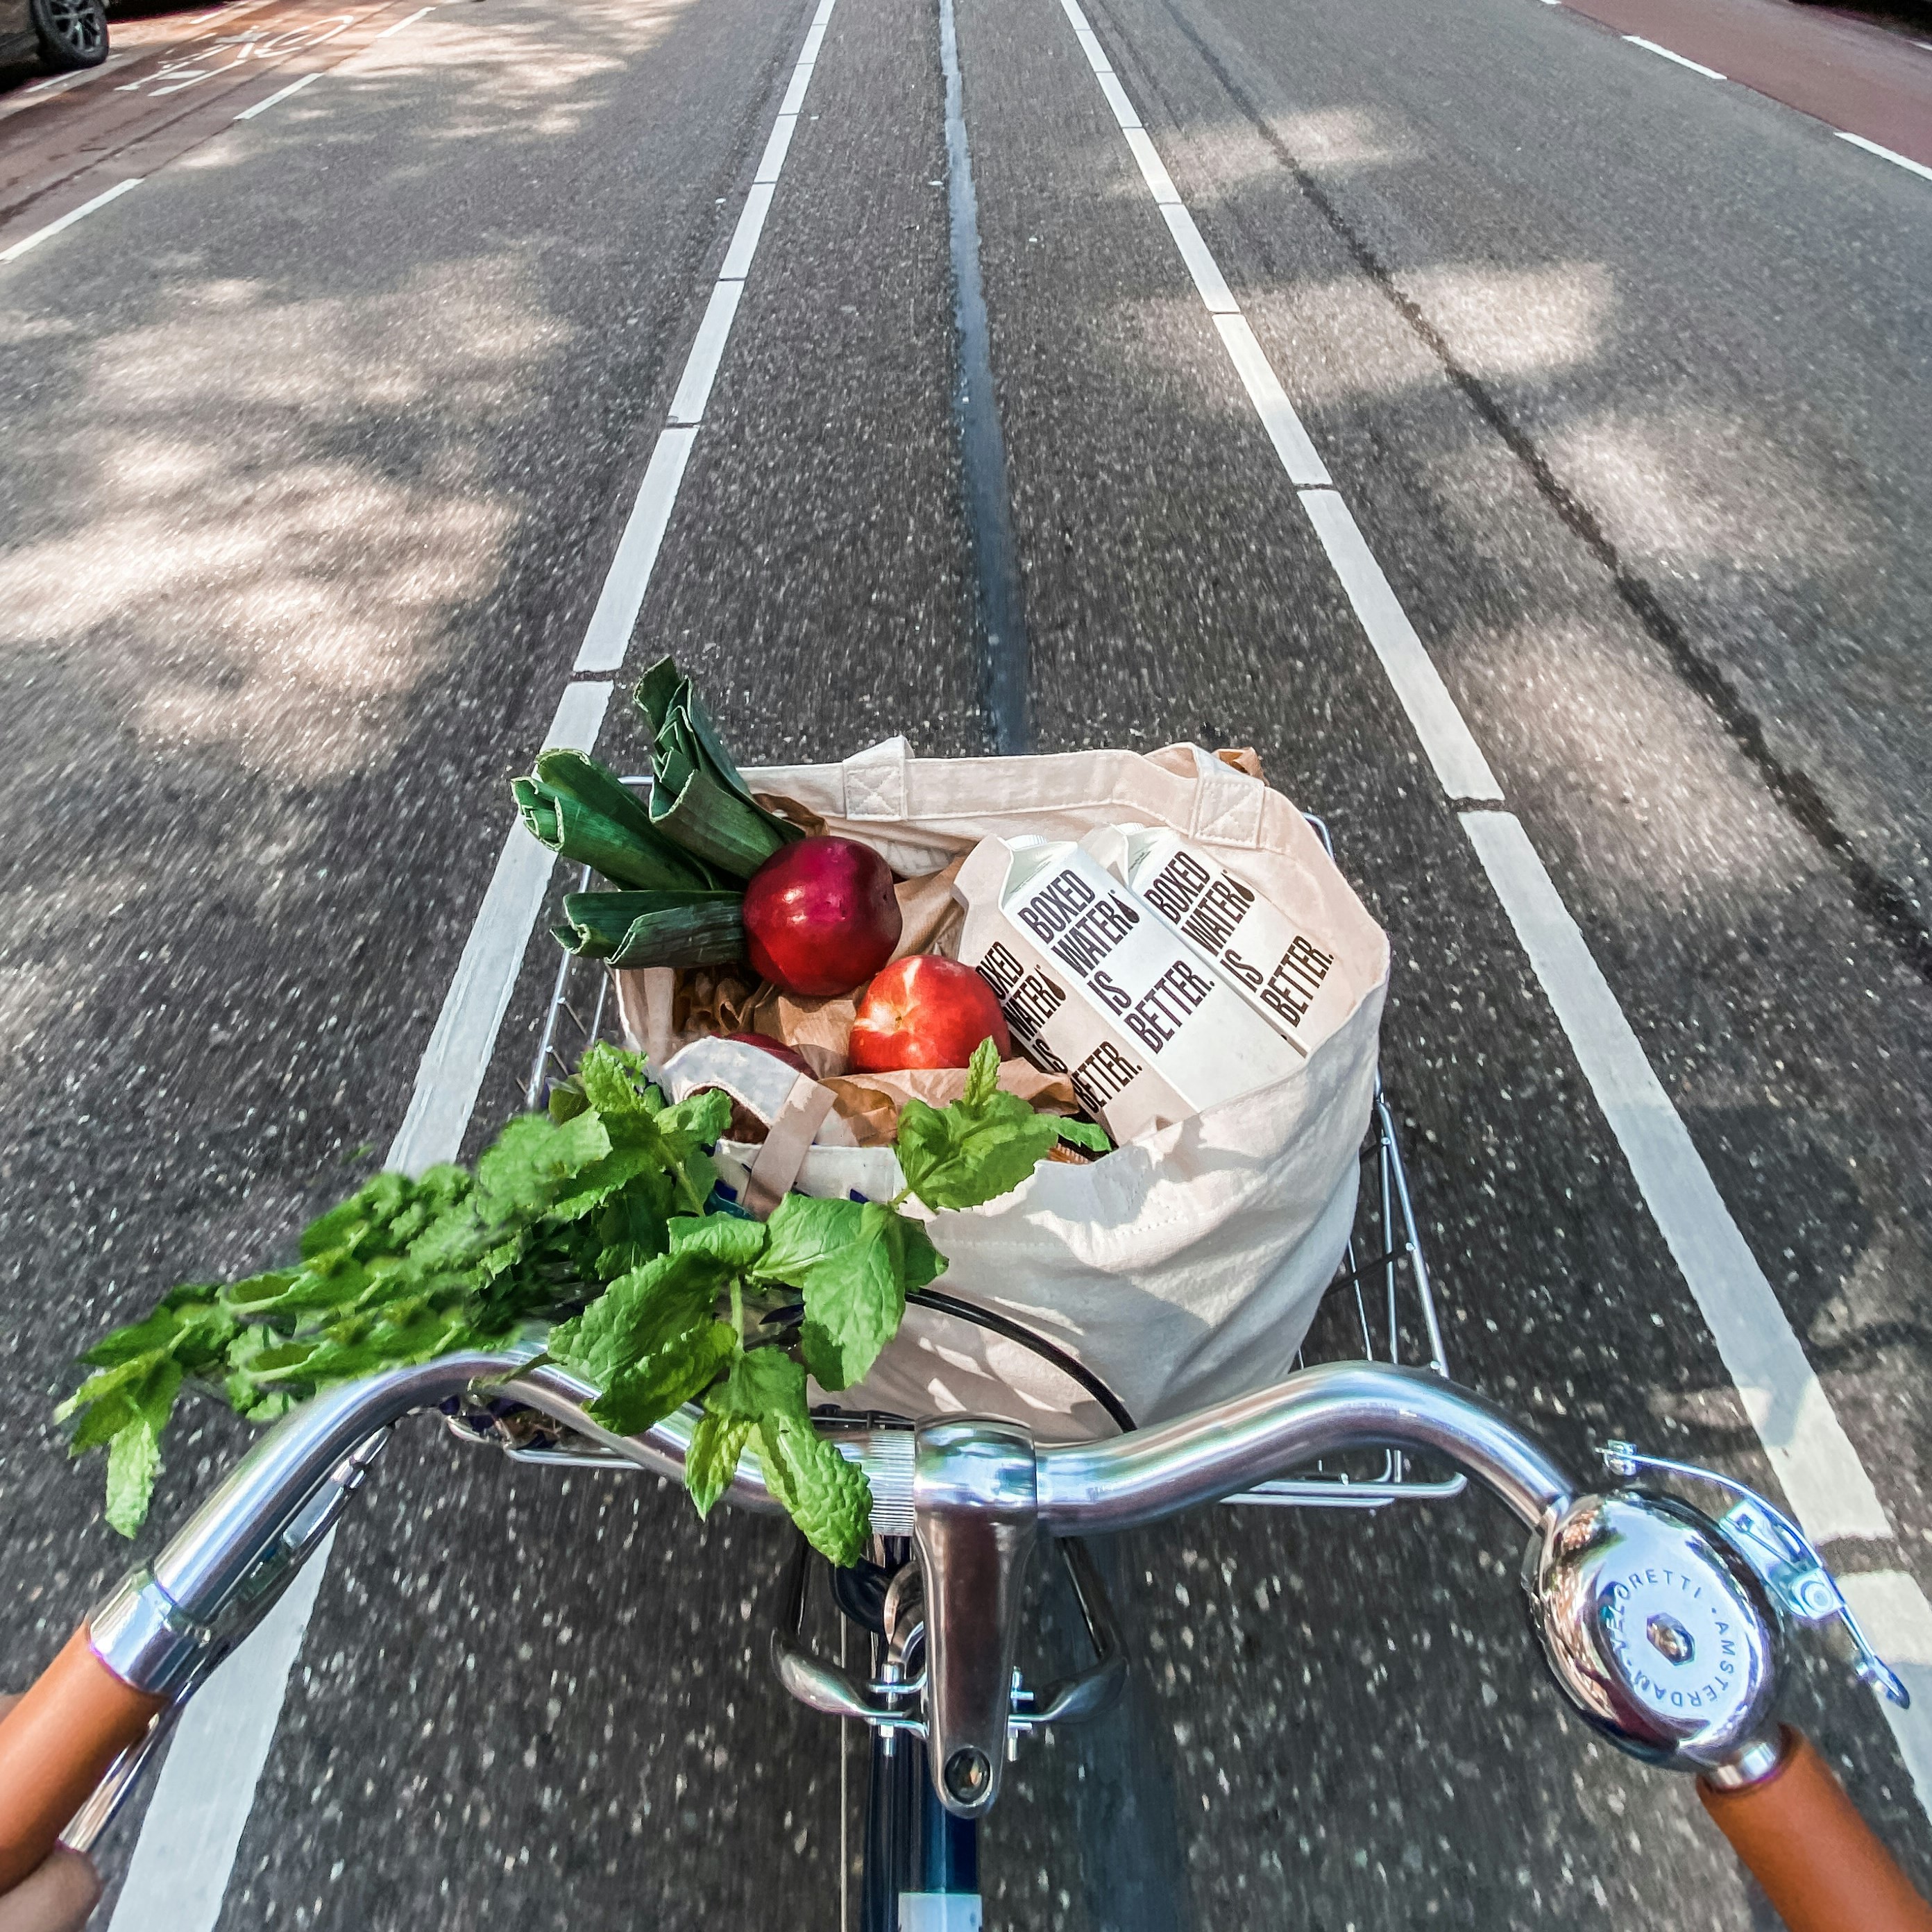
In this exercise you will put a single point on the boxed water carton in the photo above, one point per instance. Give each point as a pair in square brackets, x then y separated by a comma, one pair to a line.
[1096, 986]
[1285, 970]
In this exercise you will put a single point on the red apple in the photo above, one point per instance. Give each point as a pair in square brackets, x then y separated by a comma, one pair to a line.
[820, 915]
[777, 1049]
[924, 1011]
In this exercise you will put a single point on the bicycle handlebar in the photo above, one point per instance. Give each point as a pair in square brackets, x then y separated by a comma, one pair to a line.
[975, 1494]
[56, 1744]
[1819, 1863]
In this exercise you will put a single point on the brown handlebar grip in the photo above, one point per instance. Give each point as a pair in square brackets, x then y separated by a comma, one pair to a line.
[56, 1745]
[1819, 1863]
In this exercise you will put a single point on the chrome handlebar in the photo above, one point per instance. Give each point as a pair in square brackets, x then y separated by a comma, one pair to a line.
[1659, 1626]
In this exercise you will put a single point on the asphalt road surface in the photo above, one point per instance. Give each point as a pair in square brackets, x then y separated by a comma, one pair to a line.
[315, 447]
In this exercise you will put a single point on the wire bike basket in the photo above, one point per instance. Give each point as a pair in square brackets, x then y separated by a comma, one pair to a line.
[1380, 1307]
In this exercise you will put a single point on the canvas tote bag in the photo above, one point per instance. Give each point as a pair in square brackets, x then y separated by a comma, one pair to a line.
[1184, 1268]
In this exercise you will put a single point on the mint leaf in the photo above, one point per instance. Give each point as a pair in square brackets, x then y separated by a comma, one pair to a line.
[363, 1215]
[613, 1081]
[826, 1496]
[354, 1349]
[188, 1319]
[646, 1390]
[630, 1228]
[134, 1461]
[639, 1314]
[734, 1243]
[134, 1454]
[853, 1261]
[982, 1074]
[802, 1233]
[716, 1445]
[962, 1155]
[1082, 1134]
[534, 1158]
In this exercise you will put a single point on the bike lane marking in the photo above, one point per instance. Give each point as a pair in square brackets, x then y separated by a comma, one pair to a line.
[52, 158]
[178, 1877]
[1829, 1490]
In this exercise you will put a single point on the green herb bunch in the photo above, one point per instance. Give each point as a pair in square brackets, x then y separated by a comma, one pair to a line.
[596, 1216]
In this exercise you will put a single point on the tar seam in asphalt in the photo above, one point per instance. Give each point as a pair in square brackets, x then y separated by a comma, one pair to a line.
[999, 599]
[1882, 900]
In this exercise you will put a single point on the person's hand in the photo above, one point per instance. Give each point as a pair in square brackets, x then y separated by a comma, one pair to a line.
[58, 1895]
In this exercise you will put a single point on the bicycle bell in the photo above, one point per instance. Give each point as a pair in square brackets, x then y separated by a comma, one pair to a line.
[1658, 1633]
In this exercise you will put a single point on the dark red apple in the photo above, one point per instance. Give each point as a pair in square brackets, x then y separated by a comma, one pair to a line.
[820, 917]
[924, 1011]
[777, 1049]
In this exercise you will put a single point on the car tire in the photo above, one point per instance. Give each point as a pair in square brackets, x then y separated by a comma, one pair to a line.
[72, 33]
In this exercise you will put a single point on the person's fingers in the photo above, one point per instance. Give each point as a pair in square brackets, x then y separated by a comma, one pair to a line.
[57, 1897]
[8, 1699]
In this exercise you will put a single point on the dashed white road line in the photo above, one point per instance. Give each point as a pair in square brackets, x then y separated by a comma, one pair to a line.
[628, 579]
[396, 27]
[1829, 1490]
[67, 220]
[178, 1877]
[1696, 66]
[280, 93]
[1885, 154]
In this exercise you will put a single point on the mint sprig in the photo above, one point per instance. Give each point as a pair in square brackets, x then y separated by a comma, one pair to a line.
[594, 1215]
[983, 1145]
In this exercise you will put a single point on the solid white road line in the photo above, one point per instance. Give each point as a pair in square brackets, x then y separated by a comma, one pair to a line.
[794, 95]
[1830, 1493]
[1153, 169]
[750, 226]
[1450, 746]
[707, 351]
[1828, 1489]
[1305, 468]
[67, 220]
[1696, 66]
[1201, 266]
[280, 93]
[773, 159]
[1885, 153]
[193, 1827]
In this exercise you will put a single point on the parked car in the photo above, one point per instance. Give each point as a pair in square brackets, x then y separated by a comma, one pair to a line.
[65, 33]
